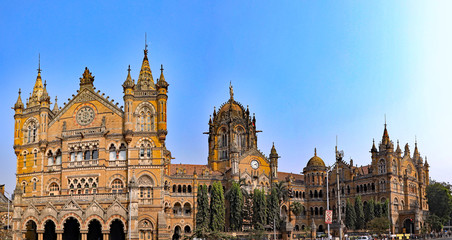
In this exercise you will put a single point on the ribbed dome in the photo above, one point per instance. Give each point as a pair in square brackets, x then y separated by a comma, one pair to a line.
[315, 161]
[233, 105]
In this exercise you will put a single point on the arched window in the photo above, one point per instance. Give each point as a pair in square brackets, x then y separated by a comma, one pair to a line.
[321, 211]
[50, 158]
[145, 120]
[174, 188]
[117, 186]
[320, 194]
[189, 189]
[396, 203]
[58, 157]
[316, 211]
[72, 155]
[179, 188]
[187, 209]
[122, 152]
[31, 132]
[184, 189]
[381, 166]
[348, 189]
[240, 140]
[409, 169]
[177, 209]
[146, 150]
[53, 189]
[394, 166]
[112, 152]
[95, 153]
[310, 194]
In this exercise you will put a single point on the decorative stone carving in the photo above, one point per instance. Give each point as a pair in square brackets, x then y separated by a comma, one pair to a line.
[85, 115]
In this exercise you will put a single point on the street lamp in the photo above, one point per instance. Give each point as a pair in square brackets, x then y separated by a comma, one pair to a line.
[328, 168]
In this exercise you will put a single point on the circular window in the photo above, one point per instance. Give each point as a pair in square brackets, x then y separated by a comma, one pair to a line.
[85, 116]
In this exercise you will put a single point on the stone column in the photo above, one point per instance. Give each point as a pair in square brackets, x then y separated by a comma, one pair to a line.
[84, 234]
[59, 234]
[106, 234]
[40, 234]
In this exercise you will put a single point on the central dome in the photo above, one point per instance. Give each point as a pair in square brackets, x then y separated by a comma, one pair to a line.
[231, 105]
[315, 161]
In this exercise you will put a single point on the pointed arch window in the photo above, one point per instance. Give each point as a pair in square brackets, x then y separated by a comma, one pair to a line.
[31, 132]
[145, 120]
[381, 166]
[58, 157]
[117, 186]
[122, 152]
[146, 150]
[394, 166]
[112, 152]
[50, 158]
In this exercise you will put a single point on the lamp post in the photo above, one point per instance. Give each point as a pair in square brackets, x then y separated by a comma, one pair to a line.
[328, 197]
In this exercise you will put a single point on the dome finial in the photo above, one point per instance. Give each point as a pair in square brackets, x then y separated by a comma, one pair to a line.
[39, 63]
[315, 151]
[231, 91]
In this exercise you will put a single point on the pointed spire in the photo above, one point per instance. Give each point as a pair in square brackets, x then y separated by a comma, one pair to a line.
[416, 154]
[128, 83]
[273, 152]
[87, 81]
[398, 150]
[45, 96]
[145, 79]
[55, 107]
[385, 139]
[37, 89]
[19, 104]
[374, 149]
[161, 81]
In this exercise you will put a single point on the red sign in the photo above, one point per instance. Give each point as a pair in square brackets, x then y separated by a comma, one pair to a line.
[329, 216]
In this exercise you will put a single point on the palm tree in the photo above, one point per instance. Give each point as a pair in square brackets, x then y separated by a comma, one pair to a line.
[282, 190]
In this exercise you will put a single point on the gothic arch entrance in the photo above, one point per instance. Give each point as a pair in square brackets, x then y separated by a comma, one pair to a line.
[31, 231]
[71, 229]
[94, 230]
[177, 233]
[49, 231]
[117, 230]
[408, 224]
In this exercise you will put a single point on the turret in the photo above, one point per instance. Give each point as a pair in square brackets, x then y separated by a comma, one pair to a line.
[38, 89]
[274, 164]
[162, 97]
[416, 155]
[18, 106]
[44, 114]
[128, 86]
[18, 109]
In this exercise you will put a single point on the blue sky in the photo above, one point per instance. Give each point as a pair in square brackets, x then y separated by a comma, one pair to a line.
[310, 70]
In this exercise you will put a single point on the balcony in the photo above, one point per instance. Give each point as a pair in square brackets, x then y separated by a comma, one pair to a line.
[117, 163]
[83, 163]
[101, 197]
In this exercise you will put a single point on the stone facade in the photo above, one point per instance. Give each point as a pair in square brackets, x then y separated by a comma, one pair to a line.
[93, 170]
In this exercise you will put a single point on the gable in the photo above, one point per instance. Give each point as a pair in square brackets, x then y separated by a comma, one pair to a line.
[87, 96]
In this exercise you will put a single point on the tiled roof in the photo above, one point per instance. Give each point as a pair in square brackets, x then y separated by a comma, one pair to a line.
[298, 178]
[189, 169]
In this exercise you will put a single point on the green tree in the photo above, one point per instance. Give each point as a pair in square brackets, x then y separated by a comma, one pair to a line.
[377, 209]
[203, 213]
[273, 209]
[235, 199]
[439, 200]
[350, 215]
[296, 208]
[369, 211]
[282, 190]
[217, 209]
[359, 224]
[259, 209]
[385, 208]
[435, 222]
[379, 225]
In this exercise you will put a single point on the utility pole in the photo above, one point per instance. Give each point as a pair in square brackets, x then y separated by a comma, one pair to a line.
[338, 158]
[328, 199]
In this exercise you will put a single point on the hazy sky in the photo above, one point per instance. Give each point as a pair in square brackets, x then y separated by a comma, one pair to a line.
[310, 70]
